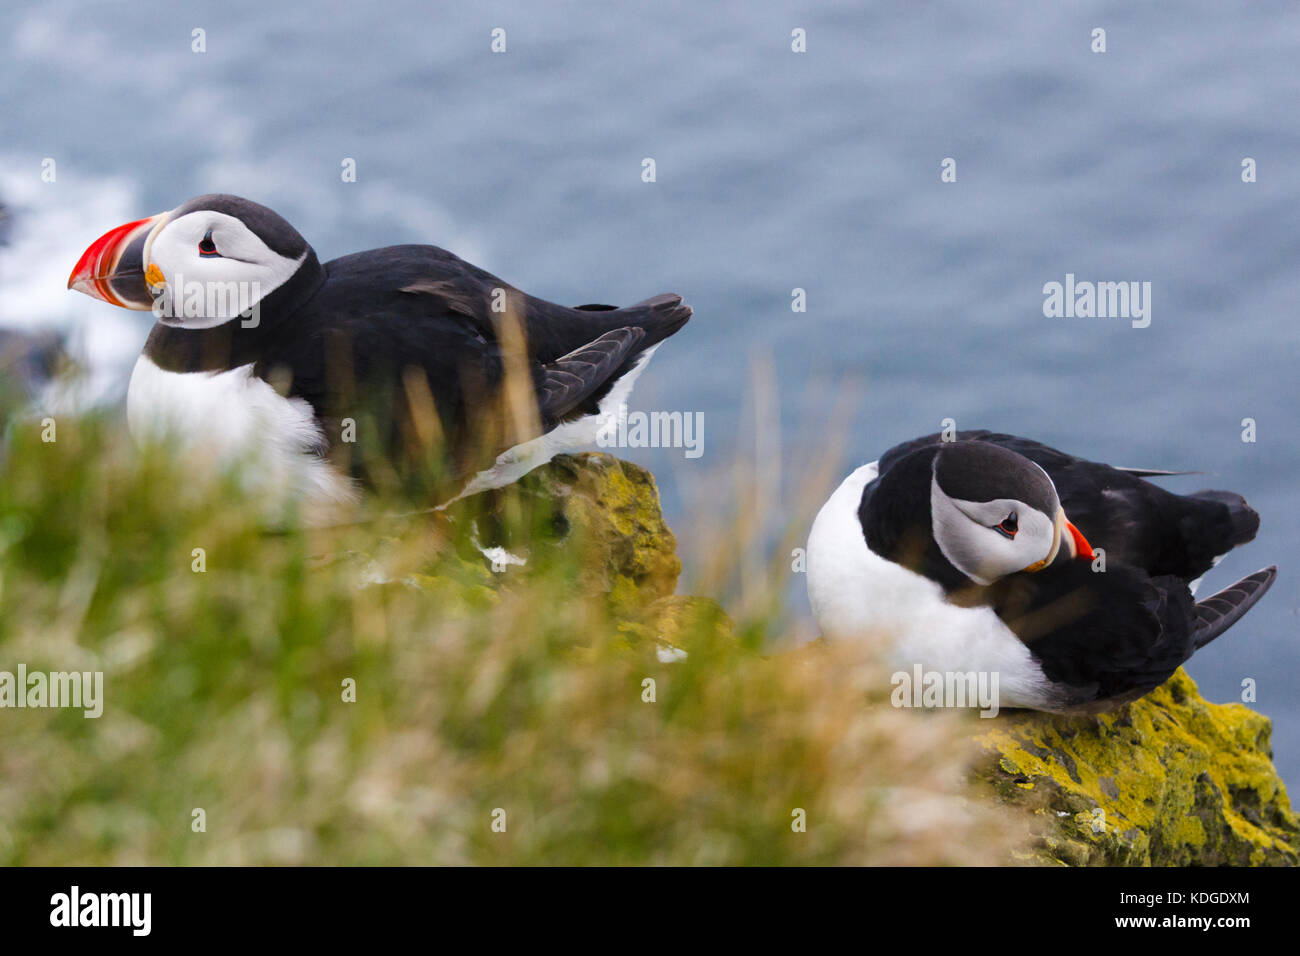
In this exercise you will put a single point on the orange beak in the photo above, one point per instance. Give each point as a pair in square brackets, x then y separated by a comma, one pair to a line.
[1082, 549]
[112, 268]
[1065, 532]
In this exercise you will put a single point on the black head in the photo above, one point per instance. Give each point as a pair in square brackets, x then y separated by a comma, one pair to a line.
[967, 512]
[211, 260]
[978, 471]
[266, 224]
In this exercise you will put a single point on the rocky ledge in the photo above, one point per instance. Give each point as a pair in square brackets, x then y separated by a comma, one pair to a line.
[1169, 780]
[610, 508]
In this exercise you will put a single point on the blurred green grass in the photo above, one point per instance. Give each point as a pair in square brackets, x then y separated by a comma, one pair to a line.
[475, 692]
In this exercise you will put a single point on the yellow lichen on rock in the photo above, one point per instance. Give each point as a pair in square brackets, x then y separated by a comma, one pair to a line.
[1168, 780]
[612, 506]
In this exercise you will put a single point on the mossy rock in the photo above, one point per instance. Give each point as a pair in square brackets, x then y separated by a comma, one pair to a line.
[1169, 780]
[611, 507]
[592, 514]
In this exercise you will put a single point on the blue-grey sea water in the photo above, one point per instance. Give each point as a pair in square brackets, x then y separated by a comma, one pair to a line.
[774, 170]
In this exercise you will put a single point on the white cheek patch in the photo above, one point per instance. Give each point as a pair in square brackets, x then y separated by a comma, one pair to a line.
[236, 241]
[964, 532]
[205, 291]
[954, 532]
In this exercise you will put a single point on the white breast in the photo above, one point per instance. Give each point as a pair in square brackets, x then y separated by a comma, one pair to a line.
[233, 418]
[857, 595]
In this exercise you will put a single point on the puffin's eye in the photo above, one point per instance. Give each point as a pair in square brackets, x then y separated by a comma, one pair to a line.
[208, 248]
[1009, 526]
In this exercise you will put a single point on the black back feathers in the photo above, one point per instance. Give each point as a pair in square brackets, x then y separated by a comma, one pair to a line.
[1112, 636]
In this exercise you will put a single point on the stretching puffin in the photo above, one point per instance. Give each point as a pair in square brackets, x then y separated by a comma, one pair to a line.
[321, 370]
[962, 553]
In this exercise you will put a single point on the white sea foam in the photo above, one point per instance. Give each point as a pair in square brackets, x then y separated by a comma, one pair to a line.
[51, 224]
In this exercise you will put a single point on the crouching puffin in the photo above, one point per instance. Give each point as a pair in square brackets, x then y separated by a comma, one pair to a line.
[316, 371]
[961, 554]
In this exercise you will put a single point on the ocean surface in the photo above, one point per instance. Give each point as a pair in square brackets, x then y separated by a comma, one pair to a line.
[774, 171]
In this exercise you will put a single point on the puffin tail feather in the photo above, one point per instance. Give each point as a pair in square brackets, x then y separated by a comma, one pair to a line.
[660, 316]
[1220, 611]
[572, 379]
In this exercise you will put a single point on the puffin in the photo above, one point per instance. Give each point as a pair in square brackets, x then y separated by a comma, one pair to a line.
[327, 375]
[983, 552]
